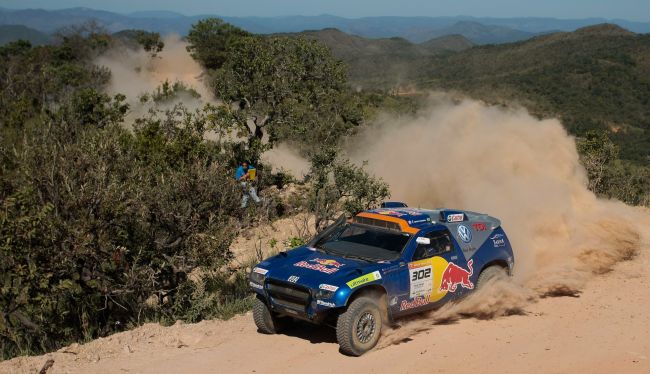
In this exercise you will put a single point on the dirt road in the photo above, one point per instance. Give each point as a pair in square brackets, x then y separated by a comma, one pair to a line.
[605, 329]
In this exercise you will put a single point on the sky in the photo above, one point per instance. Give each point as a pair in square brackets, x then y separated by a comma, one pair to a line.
[635, 10]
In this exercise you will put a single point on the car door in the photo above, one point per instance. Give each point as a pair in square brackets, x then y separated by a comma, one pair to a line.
[430, 275]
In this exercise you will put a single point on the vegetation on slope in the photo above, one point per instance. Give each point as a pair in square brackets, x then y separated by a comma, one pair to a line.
[103, 228]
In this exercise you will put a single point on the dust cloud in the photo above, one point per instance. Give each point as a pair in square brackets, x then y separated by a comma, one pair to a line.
[287, 158]
[134, 72]
[523, 170]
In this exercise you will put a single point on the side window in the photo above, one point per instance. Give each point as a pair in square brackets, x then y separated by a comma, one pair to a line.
[439, 243]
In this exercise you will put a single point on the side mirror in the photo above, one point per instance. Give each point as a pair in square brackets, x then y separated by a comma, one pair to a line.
[422, 240]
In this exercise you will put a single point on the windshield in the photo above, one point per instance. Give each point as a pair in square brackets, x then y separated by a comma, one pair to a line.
[364, 242]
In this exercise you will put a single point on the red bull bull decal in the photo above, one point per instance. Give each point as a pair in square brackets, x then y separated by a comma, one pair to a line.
[454, 275]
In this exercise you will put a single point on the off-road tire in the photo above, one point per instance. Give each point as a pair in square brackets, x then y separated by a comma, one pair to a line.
[494, 271]
[265, 320]
[347, 326]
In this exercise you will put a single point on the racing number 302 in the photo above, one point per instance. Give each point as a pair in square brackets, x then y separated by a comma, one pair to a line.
[421, 274]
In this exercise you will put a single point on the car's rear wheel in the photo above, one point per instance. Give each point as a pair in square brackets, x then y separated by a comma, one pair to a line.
[265, 320]
[489, 273]
[359, 327]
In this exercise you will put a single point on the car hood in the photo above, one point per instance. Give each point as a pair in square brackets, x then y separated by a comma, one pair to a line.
[313, 268]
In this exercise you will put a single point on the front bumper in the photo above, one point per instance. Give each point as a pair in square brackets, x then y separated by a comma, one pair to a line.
[294, 300]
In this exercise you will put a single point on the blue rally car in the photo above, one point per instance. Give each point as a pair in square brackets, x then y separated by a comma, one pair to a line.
[380, 265]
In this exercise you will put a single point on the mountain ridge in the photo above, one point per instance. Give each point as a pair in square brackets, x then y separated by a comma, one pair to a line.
[416, 29]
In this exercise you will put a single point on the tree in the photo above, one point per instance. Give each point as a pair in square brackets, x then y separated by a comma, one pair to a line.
[150, 41]
[290, 89]
[597, 151]
[340, 186]
[209, 40]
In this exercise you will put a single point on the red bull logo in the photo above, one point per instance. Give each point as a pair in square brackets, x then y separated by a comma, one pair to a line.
[327, 262]
[323, 265]
[414, 303]
[454, 275]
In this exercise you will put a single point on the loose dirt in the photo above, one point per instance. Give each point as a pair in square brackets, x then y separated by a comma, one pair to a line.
[605, 328]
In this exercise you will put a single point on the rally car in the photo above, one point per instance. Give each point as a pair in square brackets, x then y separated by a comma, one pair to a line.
[379, 265]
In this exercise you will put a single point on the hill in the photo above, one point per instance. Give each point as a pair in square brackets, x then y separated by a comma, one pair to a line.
[476, 32]
[594, 78]
[454, 43]
[382, 62]
[416, 29]
[11, 33]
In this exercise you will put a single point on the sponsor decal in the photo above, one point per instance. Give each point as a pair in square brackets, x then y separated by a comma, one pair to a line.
[255, 285]
[421, 279]
[464, 233]
[260, 271]
[327, 262]
[328, 287]
[393, 301]
[391, 213]
[293, 278]
[459, 217]
[424, 284]
[323, 265]
[419, 221]
[325, 303]
[498, 240]
[479, 226]
[370, 277]
[454, 275]
[414, 303]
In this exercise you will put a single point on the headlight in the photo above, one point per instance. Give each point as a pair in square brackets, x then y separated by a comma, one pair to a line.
[258, 275]
[324, 294]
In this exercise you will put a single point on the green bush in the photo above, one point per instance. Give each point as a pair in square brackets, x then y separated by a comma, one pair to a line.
[98, 220]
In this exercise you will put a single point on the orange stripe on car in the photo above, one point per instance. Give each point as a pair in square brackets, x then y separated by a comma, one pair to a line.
[404, 226]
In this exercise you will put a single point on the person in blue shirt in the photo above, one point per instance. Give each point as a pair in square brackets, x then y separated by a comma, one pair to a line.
[246, 175]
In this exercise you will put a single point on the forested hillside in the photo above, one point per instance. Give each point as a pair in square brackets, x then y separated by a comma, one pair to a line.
[386, 62]
[598, 77]
[10, 33]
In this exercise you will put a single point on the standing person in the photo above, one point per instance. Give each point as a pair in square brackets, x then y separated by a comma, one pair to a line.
[246, 175]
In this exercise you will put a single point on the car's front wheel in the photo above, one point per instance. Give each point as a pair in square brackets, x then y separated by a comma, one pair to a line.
[265, 320]
[359, 327]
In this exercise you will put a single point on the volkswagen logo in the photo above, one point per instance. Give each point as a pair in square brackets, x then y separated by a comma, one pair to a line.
[464, 233]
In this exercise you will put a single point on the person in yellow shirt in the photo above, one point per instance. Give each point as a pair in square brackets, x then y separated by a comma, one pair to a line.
[246, 174]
